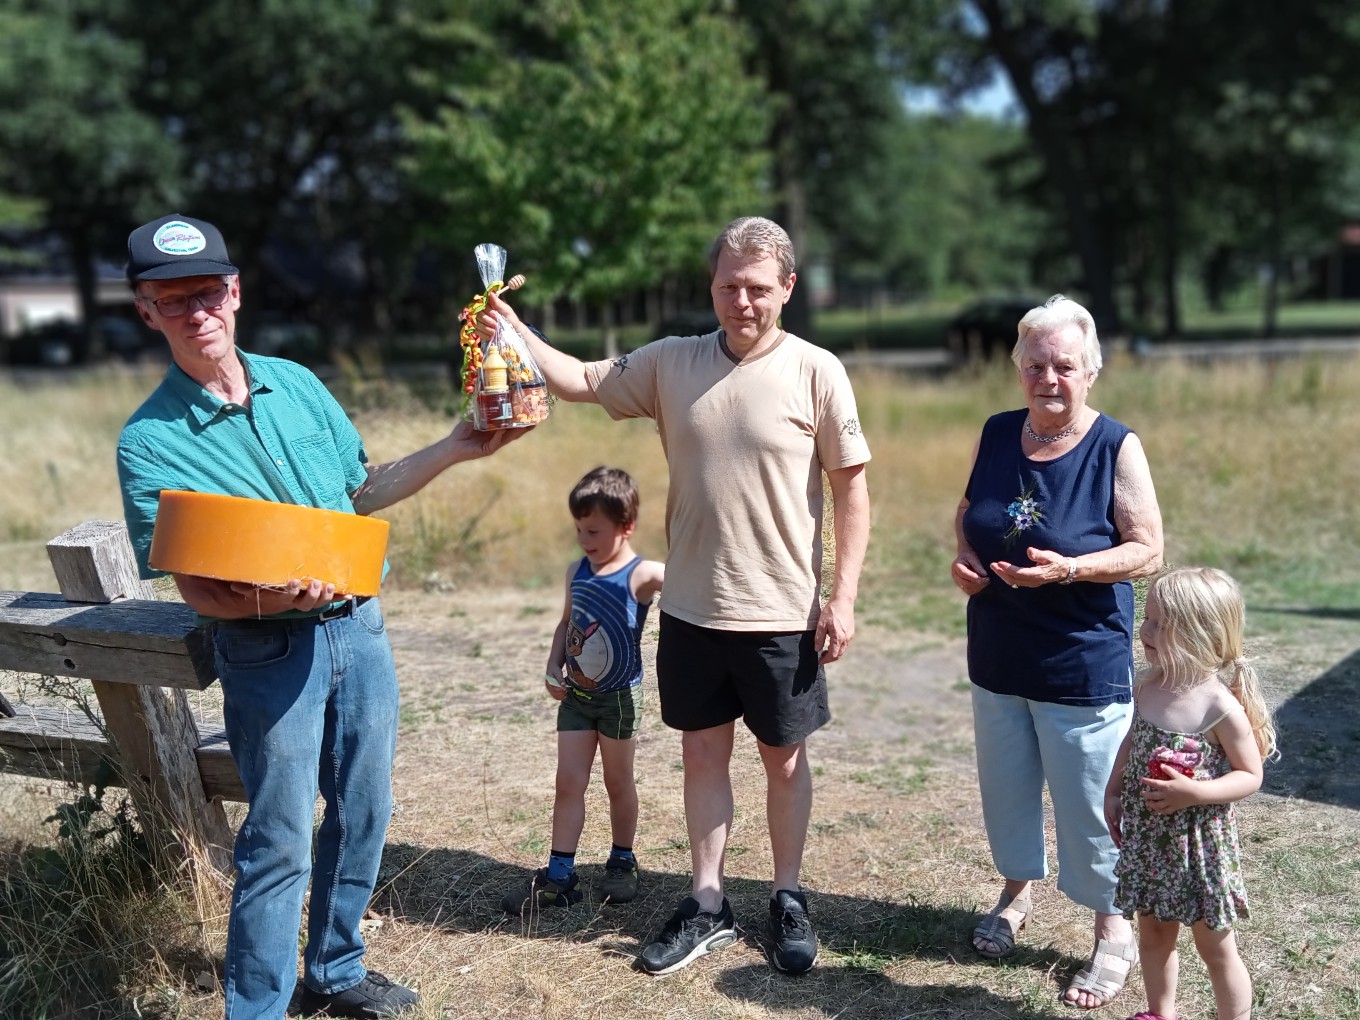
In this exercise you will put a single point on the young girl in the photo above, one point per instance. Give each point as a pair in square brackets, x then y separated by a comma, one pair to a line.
[1200, 733]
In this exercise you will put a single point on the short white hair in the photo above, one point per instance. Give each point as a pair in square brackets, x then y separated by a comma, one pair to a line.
[1054, 314]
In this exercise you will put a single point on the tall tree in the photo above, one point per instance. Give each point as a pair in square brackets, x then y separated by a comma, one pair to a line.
[287, 112]
[942, 207]
[1169, 129]
[73, 137]
[604, 143]
[1286, 79]
[828, 68]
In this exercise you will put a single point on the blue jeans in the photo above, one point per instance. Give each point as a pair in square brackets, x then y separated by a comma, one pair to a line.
[309, 705]
[1022, 744]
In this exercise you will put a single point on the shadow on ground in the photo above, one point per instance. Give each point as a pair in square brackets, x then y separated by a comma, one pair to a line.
[1319, 735]
[849, 993]
[861, 939]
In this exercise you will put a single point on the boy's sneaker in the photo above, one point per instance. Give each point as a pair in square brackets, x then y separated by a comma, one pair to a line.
[795, 943]
[373, 998]
[620, 880]
[540, 892]
[688, 935]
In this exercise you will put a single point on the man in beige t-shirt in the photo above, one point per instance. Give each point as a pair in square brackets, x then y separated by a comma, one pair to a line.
[750, 417]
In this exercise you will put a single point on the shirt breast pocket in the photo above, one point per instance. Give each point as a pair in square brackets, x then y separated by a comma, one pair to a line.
[316, 464]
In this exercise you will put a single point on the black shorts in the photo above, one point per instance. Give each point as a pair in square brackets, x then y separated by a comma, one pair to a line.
[772, 680]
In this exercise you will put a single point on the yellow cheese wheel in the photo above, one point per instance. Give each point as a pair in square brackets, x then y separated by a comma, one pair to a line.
[258, 542]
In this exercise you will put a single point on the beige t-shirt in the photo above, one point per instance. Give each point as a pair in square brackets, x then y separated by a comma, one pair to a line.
[746, 445]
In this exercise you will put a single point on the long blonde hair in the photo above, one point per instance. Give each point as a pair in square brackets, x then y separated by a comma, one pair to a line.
[1203, 623]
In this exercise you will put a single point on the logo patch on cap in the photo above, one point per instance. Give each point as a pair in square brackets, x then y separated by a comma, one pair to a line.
[179, 238]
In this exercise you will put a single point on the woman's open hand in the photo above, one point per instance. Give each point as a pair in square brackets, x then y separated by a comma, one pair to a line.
[1049, 568]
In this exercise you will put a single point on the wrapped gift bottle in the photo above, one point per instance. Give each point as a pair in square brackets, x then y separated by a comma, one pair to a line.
[493, 371]
[493, 397]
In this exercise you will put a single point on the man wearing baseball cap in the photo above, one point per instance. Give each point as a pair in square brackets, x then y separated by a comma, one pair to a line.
[308, 681]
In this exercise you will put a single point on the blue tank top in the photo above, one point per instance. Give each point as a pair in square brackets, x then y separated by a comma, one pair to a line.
[1069, 644]
[604, 634]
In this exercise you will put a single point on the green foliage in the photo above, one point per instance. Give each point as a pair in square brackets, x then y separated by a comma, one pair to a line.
[75, 143]
[290, 129]
[1216, 135]
[938, 209]
[98, 864]
[603, 144]
[16, 212]
[605, 141]
[73, 134]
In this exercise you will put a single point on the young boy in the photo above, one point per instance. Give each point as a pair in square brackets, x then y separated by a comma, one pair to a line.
[595, 671]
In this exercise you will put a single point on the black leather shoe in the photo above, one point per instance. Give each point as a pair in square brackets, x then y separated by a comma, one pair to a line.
[795, 943]
[373, 998]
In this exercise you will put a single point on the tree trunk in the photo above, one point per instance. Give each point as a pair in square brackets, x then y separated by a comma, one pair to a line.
[1274, 246]
[1215, 274]
[1170, 146]
[82, 262]
[790, 193]
[1171, 309]
[609, 330]
[792, 216]
[1055, 148]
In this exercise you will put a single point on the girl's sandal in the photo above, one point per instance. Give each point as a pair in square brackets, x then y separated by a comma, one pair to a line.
[1145, 1015]
[998, 930]
[1102, 977]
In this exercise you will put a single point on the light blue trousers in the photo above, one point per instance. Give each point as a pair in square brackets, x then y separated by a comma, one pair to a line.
[1022, 744]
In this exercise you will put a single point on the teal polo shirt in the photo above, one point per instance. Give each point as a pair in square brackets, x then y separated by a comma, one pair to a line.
[293, 444]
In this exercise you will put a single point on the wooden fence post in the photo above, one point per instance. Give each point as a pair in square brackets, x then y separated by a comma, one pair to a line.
[152, 727]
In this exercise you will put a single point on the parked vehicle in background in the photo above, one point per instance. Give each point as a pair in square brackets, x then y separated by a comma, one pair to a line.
[987, 328]
[63, 343]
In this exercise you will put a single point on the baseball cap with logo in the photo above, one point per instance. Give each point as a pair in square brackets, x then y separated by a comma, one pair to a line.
[174, 246]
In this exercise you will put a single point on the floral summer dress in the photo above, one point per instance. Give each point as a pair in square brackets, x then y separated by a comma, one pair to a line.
[1185, 866]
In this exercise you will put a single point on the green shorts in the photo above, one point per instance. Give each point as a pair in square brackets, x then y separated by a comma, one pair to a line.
[616, 714]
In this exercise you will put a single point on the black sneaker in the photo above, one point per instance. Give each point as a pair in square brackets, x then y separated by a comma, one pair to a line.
[795, 943]
[620, 880]
[540, 891]
[688, 935]
[372, 998]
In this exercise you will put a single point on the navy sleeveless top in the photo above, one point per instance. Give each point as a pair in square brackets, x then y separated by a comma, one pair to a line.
[1069, 644]
[604, 634]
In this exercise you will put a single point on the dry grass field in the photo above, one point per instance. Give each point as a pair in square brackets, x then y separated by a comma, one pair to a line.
[1256, 470]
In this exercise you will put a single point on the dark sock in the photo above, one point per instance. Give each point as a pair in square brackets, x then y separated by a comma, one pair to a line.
[623, 853]
[560, 867]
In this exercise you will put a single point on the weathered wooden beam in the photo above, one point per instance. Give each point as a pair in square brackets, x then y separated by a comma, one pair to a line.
[154, 731]
[97, 561]
[130, 642]
[218, 768]
[55, 743]
[48, 742]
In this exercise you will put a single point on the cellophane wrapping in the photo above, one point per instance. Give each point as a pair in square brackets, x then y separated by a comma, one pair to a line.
[512, 396]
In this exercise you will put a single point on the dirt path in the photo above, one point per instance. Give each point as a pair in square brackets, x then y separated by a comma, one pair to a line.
[896, 861]
[896, 857]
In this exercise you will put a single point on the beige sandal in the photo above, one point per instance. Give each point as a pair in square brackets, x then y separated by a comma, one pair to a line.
[998, 930]
[1102, 977]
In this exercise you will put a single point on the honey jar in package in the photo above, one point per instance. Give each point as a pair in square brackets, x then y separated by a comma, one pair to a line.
[502, 384]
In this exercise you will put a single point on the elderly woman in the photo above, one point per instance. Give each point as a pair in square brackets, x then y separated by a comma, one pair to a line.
[1058, 516]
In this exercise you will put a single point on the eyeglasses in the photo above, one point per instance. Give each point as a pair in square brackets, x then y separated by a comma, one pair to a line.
[178, 304]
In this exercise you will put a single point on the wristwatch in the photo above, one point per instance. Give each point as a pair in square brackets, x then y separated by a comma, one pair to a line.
[1071, 571]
